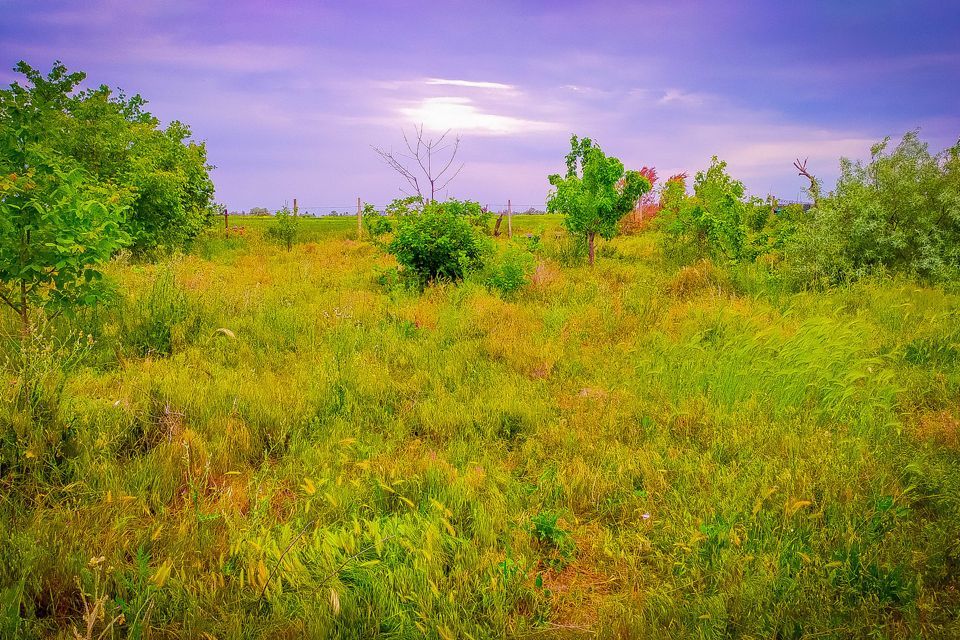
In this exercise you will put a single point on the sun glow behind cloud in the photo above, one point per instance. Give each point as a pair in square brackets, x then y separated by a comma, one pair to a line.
[462, 114]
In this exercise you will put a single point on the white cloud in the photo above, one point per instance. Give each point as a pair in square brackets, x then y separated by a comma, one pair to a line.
[469, 83]
[675, 97]
[461, 114]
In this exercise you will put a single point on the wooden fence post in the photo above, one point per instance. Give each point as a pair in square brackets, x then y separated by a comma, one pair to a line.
[294, 207]
[226, 222]
[359, 219]
[509, 219]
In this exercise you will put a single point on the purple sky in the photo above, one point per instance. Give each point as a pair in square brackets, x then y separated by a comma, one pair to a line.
[290, 95]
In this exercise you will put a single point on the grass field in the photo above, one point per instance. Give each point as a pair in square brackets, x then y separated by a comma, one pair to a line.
[252, 443]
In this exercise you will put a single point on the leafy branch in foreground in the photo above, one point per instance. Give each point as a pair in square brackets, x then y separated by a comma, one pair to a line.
[55, 229]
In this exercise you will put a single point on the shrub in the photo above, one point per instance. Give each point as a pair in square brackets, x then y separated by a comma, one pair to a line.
[710, 223]
[375, 224]
[509, 271]
[436, 244]
[159, 174]
[899, 213]
[284, 227]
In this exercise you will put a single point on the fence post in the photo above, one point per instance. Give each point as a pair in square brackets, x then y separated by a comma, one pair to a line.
[226, 222]
[359, 219]
[294, 207]
[509, 219]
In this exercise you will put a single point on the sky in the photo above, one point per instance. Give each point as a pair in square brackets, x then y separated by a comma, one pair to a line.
[291, 97]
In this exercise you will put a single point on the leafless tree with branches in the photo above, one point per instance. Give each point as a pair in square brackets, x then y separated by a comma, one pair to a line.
[417, 162]
[801, 167]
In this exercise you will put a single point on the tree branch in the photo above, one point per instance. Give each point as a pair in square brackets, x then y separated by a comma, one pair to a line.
[9, 304]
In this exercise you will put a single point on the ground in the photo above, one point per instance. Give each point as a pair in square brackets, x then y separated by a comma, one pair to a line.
[628, 450]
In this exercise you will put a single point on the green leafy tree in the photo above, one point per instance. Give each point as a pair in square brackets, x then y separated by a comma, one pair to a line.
[160, 173]
[595, 193]
[710, 223]
[56, 228]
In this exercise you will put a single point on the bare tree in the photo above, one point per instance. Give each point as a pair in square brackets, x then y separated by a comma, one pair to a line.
[426, 163]
[801, 167]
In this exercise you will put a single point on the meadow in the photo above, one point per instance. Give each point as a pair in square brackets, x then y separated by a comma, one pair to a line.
[253, 442]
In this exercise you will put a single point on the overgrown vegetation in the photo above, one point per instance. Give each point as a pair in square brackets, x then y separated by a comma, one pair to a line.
[633, 449]
[741, 423]
[899, 213]
[157, 174]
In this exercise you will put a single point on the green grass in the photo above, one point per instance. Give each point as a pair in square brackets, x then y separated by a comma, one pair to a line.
[631, 450]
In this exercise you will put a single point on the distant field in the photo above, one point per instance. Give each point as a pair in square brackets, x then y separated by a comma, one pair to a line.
[630, 451]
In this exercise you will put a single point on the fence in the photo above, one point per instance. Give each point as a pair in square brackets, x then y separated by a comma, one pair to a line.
[322, 211]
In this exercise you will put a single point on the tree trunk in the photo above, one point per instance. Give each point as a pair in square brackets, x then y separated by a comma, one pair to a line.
[24, 312]
[590, 239]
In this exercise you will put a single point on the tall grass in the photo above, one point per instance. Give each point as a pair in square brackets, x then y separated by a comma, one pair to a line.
[625, 451]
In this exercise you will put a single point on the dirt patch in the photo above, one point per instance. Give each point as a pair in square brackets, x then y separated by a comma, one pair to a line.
[939, 427]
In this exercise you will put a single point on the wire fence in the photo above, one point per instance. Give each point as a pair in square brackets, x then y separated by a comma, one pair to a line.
[322, 211]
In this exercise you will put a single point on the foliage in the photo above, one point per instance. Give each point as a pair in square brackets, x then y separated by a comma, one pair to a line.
[56, 228]
[509, 270]
[284, 227]
[546, 530]
[159, 173]
[400, 207]
[898, 213]
[711, 222]
[595, 193]
[437, 243]
[153, 323]
[471, 211]
[375, 224]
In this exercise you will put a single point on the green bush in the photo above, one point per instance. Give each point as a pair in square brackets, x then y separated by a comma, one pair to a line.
[509, 271]
[437, 243]
[284, 228]
[899, 213]
[708, 224]
[159, 174]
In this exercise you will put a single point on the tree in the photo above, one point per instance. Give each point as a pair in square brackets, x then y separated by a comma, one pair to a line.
[160, 173]
[416, 166]
[55, 229]
[595, 193]
[899, 212]
[712, 221]
[57, 221]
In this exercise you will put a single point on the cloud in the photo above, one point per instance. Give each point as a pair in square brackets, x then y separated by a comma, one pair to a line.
[237, 57]
[469, 83]
[461, 114]
[676, 97]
